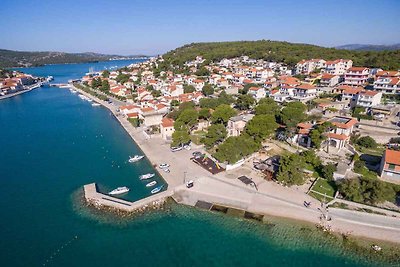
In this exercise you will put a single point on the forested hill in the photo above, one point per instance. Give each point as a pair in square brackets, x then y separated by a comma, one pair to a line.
[289, 53]
[9, 58]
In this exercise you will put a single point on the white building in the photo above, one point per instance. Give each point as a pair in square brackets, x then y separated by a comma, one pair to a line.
[338, 66]
[368, 98]
[308, 66]
[356, 76]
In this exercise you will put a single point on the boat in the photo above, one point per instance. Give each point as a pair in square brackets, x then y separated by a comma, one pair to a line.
[157, 189]
[146, 176]
[119, 190]
[135, 158]
[153, 183]
[95, 104]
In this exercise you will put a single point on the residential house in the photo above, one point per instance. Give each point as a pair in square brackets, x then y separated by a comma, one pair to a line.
[257, 92]
[308, 66]
[338, 66]
[237, 124]
[356, 76]
[304, 92]
[329, 80]
[340, 135]
[167, 128]
[390, 165]
[367, 98]
[387, 82]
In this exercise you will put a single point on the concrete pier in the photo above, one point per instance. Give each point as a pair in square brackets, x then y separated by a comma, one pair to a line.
[98, 199]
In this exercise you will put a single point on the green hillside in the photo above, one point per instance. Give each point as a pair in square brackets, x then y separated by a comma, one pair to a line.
[289, 53]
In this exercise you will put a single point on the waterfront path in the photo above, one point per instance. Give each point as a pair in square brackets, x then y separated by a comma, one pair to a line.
[270, 199]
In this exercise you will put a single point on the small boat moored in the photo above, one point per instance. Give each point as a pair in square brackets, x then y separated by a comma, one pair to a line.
[135, 158]
[157, 189]
[95, 104]
[146, 176]
[153, 183]
[119, 190]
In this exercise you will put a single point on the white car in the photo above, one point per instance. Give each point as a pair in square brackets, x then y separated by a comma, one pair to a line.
[166, 170]
[174, 149]
[187, 147]
[163, 165]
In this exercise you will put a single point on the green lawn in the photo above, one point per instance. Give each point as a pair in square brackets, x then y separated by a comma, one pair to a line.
[324, 187]
[378, 151]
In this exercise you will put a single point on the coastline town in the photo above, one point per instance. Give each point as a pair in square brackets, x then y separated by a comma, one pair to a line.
[318, 142]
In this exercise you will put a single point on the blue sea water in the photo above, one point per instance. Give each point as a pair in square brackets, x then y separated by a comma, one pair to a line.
[52, 142]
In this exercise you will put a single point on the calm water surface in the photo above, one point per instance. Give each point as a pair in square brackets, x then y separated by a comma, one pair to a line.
[52, 142]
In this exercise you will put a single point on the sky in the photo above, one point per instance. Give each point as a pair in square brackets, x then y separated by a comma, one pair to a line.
[152, 27]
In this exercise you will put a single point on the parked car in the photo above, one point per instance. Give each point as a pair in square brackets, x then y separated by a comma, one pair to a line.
[176, 148]
[166, 170]
[196, 153]
[187, 147]
[163, 165]
[189, 184]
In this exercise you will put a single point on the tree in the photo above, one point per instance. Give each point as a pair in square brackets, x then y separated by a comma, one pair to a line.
[222, 114]
[174, 103]
[186, 119]
[208, 90]
[266, 106]
[188, 88]
[244, 102]
[96, 83]
[204, 114]
[235, 148]
[150, 88]
[291, 170]
[122, 78]
[216, 133]
[328, 170]
[292, 114]
[105, 86]
[311, 158]
[106, 74]
[261, 126]
[156, 93]
[202, 71]
[180, 137]
[367, 142]
[246, 88]
[366, 190]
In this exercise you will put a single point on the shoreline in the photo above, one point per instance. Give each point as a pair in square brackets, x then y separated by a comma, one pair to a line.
[259, 203]
[20, 92]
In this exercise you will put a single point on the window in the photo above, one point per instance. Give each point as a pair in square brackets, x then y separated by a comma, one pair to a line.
[392, 166]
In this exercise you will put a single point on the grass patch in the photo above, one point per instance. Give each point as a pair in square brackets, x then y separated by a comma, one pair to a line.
[197, 136]
[320, 197]
[325, 187]
[378, 151]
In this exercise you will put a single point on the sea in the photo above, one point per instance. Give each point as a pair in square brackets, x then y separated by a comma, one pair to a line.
[52, 143]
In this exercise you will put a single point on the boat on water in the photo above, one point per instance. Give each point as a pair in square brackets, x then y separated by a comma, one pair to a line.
[119, 190]
[146, 176]
[153, 183]
[157, 189]
[95, 104]
[135, 158]
[73, 91]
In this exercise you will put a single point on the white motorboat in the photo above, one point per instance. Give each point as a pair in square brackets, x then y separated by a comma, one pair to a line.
[153, 183]
[135, 158]
[157, 189]
[119, 190]
[96, 104]
[146, 176]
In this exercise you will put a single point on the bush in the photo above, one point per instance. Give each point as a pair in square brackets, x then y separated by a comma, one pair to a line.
[367, 142]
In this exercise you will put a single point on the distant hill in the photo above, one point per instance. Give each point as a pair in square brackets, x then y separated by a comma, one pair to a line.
[10, 58]
[289, 53]
[368, 47]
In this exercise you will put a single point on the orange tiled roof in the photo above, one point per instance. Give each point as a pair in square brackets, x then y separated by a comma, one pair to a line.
[392, 157]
